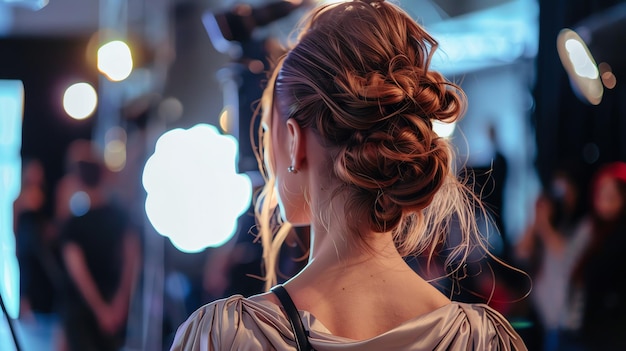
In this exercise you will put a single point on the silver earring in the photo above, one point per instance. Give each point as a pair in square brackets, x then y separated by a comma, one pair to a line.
[292, 169]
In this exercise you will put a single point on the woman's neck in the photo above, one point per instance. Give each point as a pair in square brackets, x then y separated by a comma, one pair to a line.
[336, 254]
[337, 247]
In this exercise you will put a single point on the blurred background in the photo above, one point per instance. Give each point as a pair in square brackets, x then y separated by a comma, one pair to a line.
[144, 108]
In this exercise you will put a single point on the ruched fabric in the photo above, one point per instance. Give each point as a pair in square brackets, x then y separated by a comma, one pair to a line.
[237, 323]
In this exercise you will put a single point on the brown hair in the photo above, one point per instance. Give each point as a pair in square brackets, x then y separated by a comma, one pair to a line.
[359, 77]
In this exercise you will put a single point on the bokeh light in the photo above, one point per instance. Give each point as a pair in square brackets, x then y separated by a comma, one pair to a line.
[581, 59]
[225, 119]
[115, 149]
[194, 194]
[580, 66]
[80, 203]
[443, 129]
[608, 77]
[170, 109]
[115, 60]
[115, 155]
[80, 100]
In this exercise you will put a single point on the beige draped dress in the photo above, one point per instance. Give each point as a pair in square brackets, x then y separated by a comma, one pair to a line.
[237, 323]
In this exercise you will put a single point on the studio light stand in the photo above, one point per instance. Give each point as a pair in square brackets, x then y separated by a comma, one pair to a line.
[11, 326]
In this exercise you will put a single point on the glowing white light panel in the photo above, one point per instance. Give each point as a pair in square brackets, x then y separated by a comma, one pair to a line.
[195, 194]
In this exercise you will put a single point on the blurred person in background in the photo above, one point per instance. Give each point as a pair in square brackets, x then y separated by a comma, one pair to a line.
[101, 253]
[600, 277]
[348, 148]
[39, 260]
[549, 250]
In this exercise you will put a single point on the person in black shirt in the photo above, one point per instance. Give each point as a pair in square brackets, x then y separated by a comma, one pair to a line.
[101, 256]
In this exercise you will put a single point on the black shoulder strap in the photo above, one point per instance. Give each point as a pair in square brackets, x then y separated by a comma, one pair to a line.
[302, 342]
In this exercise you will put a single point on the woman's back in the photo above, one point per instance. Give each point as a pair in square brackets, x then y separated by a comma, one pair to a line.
[365, 302]
[348, 149]
[237, 323]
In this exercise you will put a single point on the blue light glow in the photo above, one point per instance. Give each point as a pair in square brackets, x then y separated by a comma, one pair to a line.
[30, 4]
[79, 203]
[11, 109]
[495, 36]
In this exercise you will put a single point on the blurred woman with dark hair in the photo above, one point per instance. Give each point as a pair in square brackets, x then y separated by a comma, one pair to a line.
[601, 273]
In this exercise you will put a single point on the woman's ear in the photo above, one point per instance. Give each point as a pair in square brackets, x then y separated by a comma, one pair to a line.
[297, 145]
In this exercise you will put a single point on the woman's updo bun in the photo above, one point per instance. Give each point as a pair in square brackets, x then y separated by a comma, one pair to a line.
[392, 173]
[372, 103]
